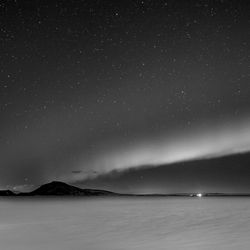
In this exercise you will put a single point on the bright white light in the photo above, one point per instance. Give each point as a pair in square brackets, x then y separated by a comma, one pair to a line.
[199, 195]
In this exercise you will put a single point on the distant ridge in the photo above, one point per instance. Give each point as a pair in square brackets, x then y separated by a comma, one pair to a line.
[57, 188]
[6, 193]
[61, 188]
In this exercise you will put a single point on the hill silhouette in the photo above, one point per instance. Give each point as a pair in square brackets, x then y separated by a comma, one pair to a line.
[60, 188]
[6, 193]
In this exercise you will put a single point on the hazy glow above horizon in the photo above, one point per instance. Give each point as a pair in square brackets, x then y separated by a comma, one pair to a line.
[211, 142]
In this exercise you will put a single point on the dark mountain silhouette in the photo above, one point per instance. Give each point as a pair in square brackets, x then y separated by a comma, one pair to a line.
[61, 188]
[58, 188]
[6, 193]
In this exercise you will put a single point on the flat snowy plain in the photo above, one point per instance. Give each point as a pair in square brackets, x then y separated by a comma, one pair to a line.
[137, 223]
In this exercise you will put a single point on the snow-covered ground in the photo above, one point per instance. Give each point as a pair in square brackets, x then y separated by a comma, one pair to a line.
[124, 223]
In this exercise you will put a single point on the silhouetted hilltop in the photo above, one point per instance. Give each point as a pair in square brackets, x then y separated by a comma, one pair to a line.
[6, 193]
[61, 188]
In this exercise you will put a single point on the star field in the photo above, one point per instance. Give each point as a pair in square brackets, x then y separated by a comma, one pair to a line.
[80, 79]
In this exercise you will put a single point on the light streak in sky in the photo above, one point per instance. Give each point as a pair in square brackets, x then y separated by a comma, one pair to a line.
[210, 142]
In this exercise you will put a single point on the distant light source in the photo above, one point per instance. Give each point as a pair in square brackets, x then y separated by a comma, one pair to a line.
[199, 195]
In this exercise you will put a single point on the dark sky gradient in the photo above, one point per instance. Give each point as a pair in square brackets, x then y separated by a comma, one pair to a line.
[87, 87]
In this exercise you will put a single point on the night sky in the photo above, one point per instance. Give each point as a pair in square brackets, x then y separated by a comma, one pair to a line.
[93, 88]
